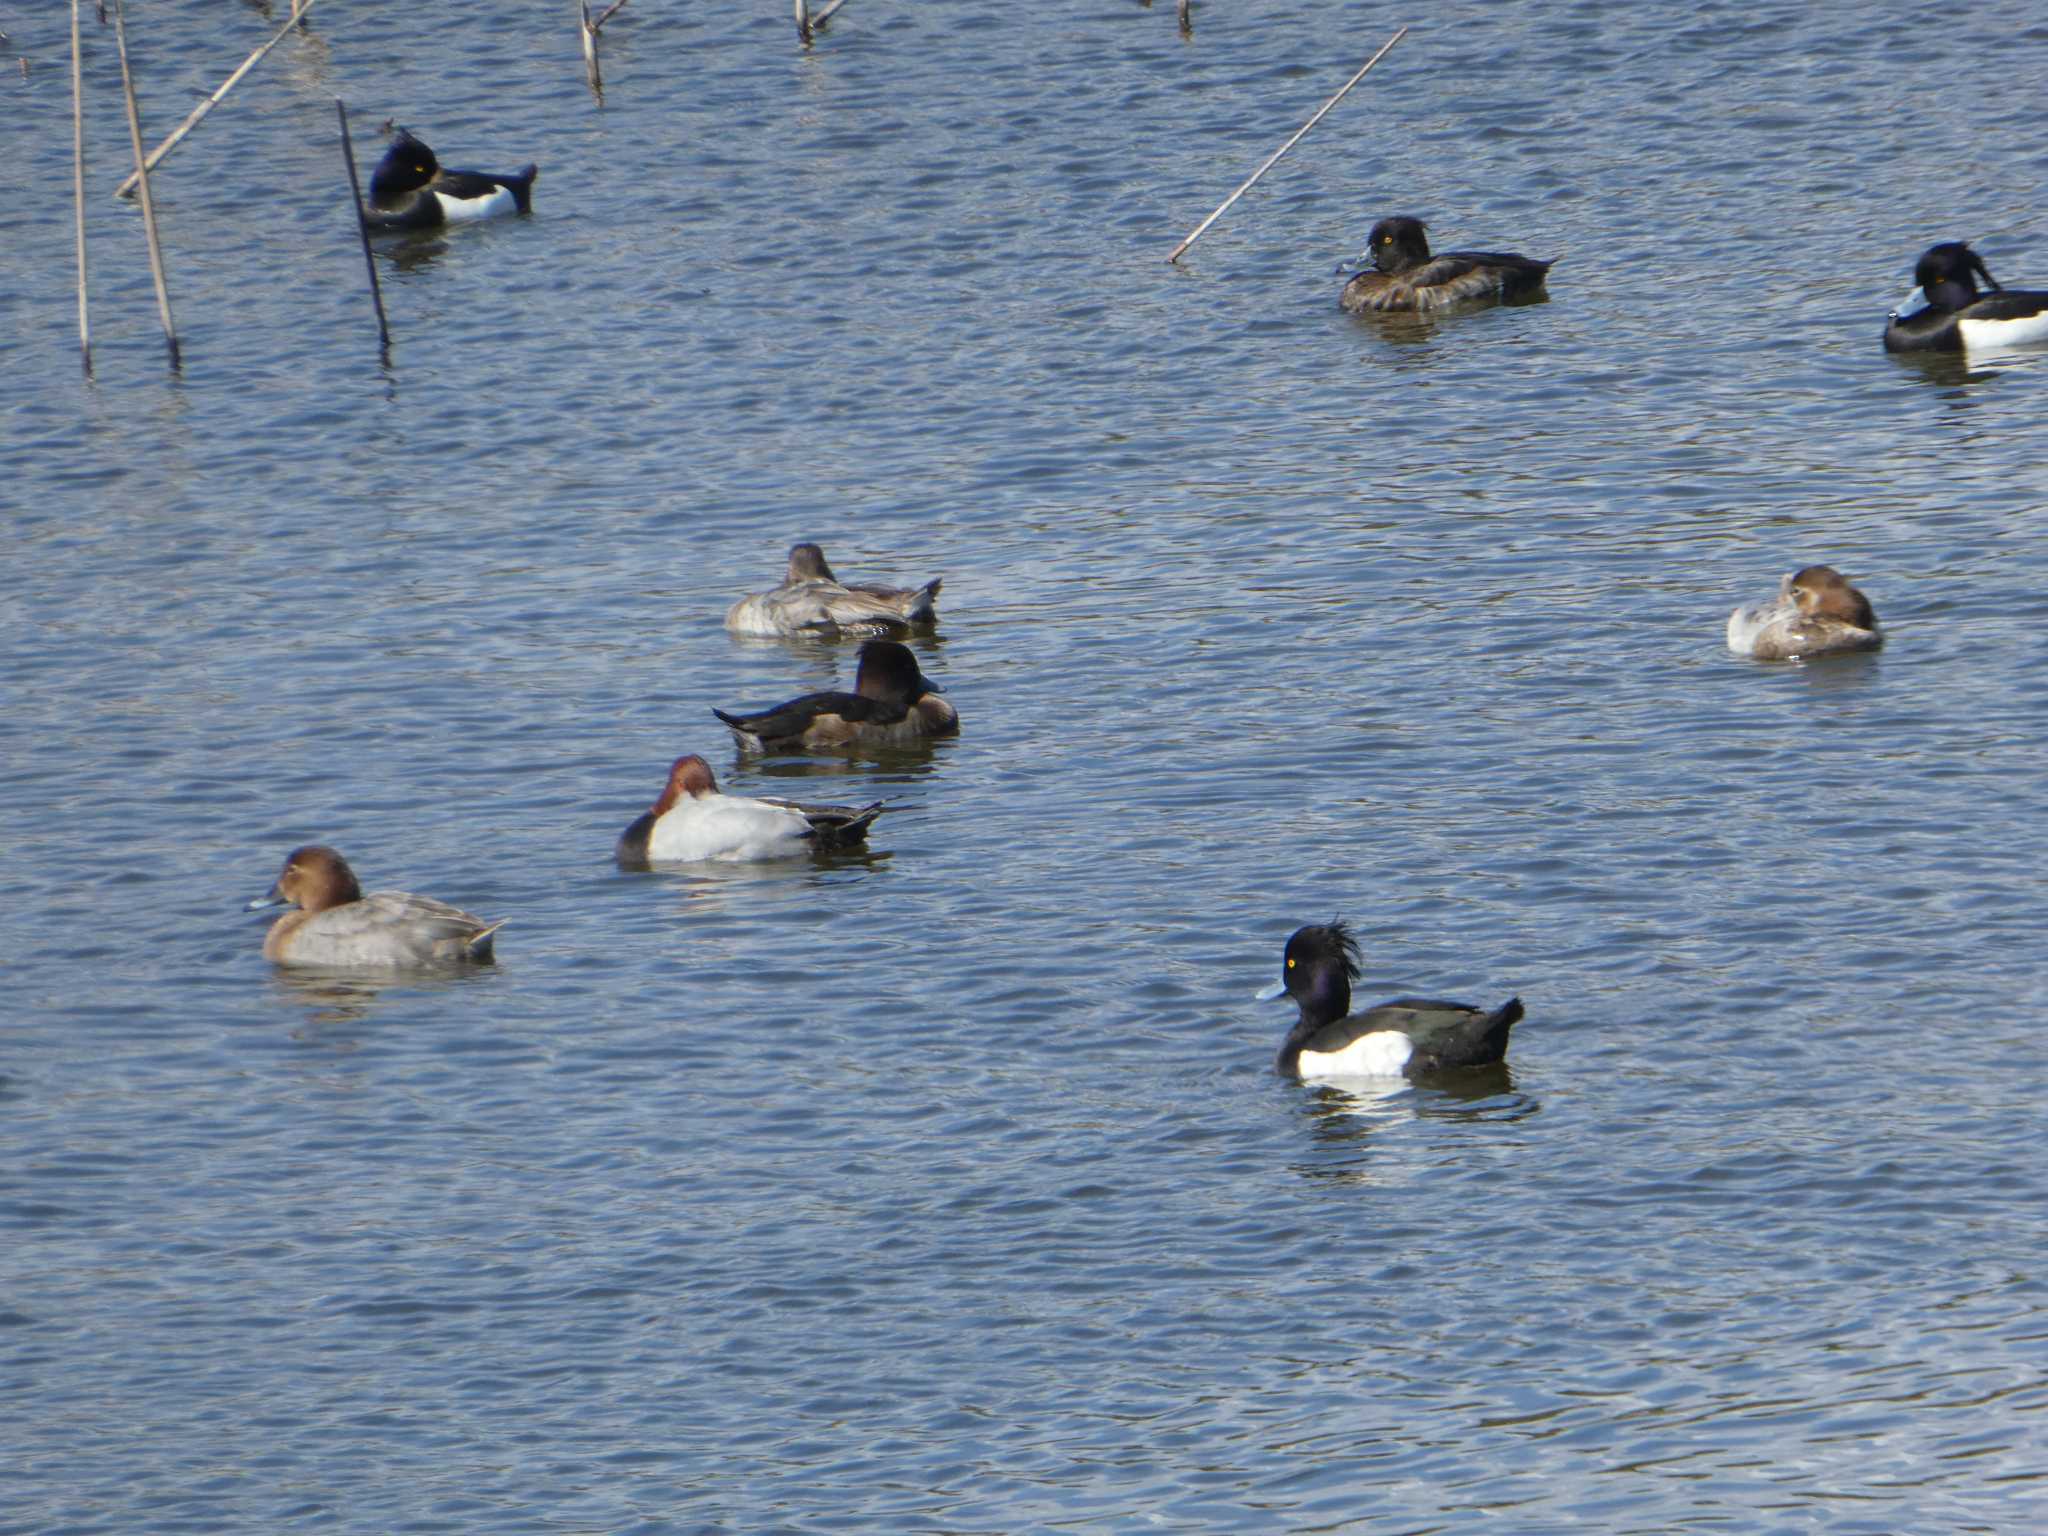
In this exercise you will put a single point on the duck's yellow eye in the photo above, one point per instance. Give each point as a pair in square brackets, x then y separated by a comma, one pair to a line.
[1386, 239]
[1290, 962]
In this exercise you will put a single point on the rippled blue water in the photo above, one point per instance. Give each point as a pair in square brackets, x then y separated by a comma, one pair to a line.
[949, 1187]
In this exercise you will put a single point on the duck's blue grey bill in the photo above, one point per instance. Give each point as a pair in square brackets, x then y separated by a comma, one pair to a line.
[1267, 994]
[268, 899]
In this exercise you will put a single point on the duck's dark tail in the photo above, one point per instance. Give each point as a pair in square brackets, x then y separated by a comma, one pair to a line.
[845, 831]
[479, 947]
[922, 609]
[1494, 1042]
[522, 187]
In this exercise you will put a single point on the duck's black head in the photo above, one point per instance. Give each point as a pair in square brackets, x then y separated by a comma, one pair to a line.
[407, 166]
[807, 563]
[889, 671]
[1397, 244]
[1317, 969]
[1948, 273]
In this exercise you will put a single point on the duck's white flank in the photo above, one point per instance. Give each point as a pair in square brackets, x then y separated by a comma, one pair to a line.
[463, 210]
[729, 827]
[1383, 1053]
[2027, 330]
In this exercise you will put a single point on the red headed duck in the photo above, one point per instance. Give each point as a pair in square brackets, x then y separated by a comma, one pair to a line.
[1816, 613]
[337, 925]
[693, 821]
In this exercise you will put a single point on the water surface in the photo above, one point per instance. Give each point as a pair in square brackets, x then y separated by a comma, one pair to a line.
[949, 1188]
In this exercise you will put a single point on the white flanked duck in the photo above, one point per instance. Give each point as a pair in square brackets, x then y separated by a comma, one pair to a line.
[1408, 1037]
[337, 925]
[1816, 613]
[1951, 316]
[813, 601]
[411, 189]
[694, 821]
[892, 704]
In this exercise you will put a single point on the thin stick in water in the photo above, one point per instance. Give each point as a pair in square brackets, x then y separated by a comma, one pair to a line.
[1274, 157]
[807, 25]
[590, 29]
[206, 106]
[78, 189]
[355, 186]
[156, 255]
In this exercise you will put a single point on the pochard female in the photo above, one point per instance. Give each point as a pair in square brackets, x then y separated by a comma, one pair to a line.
[813, 601]
[1954, 318]
[893, 703]
[411, 190]
[337, 925]
[1405, 1038]
[1816, 613]
[1407, 277]
[693, 821]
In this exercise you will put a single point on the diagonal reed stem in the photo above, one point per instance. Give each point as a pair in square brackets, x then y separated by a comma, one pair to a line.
[1271, 159]
[299, 8]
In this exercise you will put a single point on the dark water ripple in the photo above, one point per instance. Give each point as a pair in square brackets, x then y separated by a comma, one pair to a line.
[947, 1187]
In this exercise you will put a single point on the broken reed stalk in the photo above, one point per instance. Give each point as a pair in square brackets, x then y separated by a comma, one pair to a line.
[299, 8]
[1275, 156]
[589, 36]
[156, 255]
[589, 30]
[78, 189]
[355, 186]
[807, 25]
[1187, 19]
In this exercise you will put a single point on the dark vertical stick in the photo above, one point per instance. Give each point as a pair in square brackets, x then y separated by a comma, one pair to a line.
[78, 188]
[355, 186]
[1187, 19]
[156, 255]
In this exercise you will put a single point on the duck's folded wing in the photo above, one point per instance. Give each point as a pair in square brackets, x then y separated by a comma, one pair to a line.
[1447, 1034]
[2009, 304]
[798, 715]
[834, 826]
[391, 926]
[1473, 274]
[913, 605]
